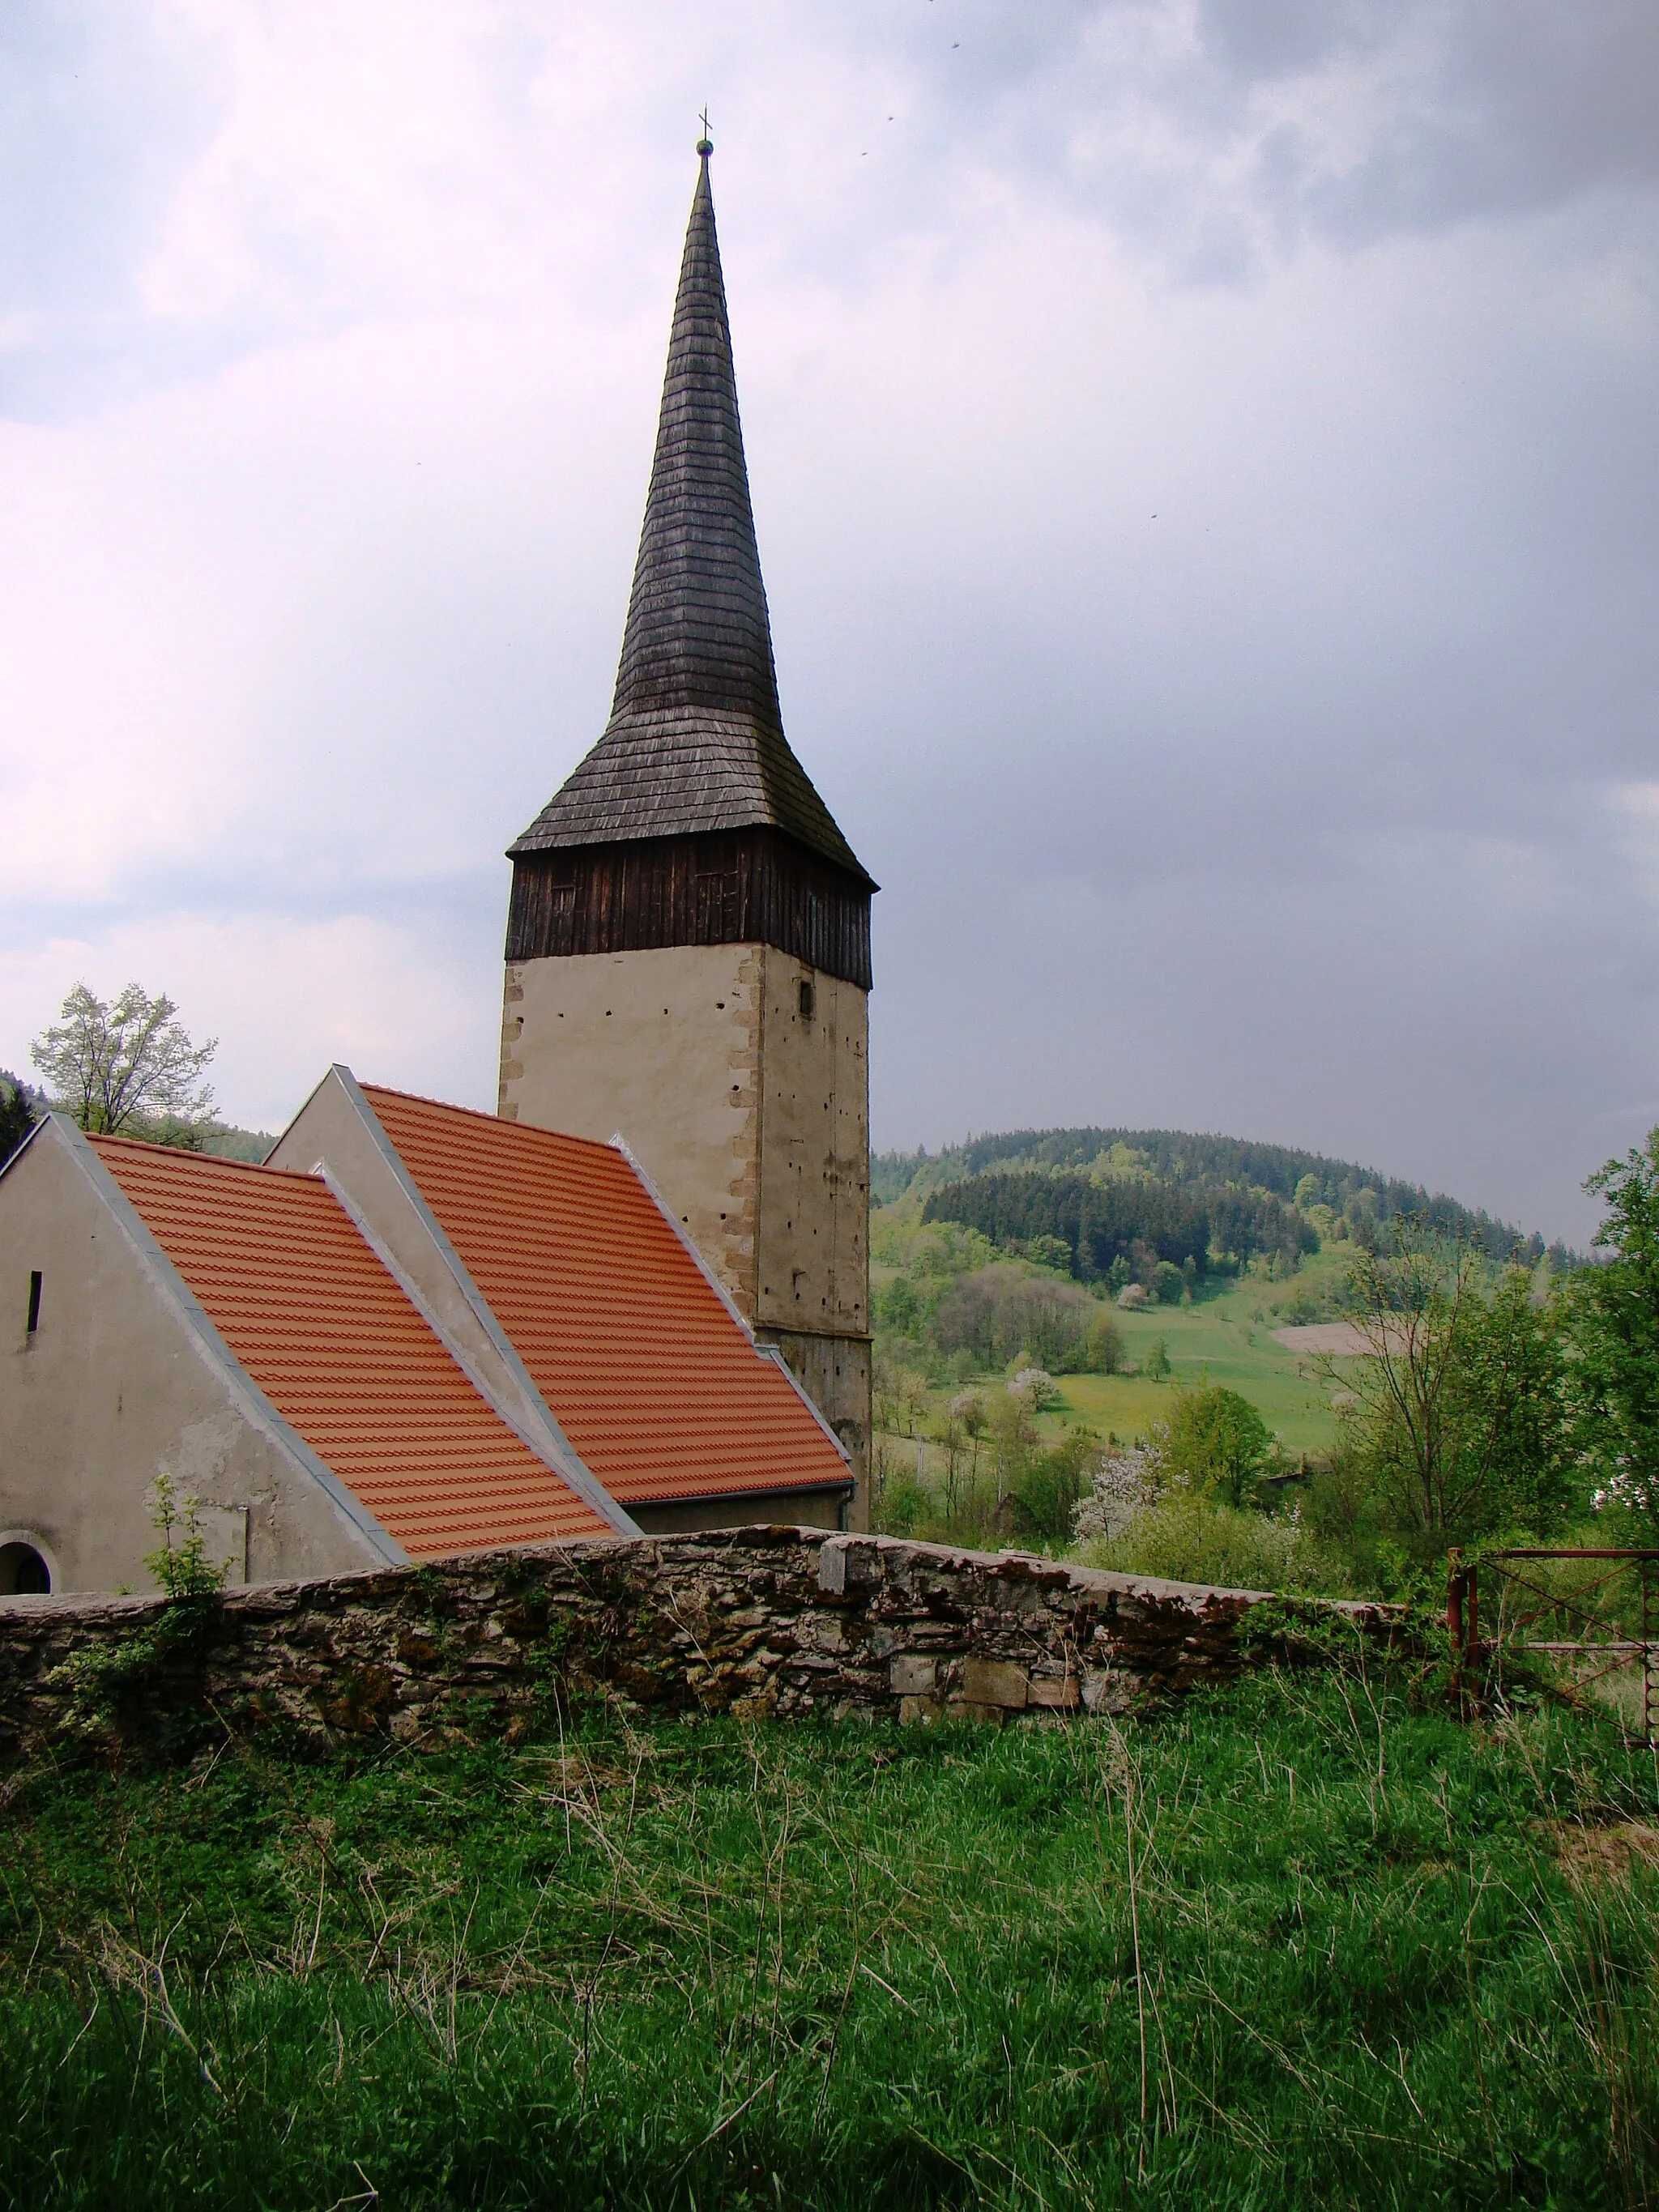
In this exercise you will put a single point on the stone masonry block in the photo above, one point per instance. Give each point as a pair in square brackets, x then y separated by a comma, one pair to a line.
[911, 1676]
[847, 1564]
[1060, 1694]
[994, 1682]
[1107, 1689]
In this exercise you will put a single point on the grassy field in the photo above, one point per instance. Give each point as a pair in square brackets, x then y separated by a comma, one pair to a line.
[1290, 1945]
[1218, 1340]
[1227, 1338]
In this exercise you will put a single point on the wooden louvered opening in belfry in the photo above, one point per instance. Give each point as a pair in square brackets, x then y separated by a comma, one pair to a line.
[725, 887]
[718, 884]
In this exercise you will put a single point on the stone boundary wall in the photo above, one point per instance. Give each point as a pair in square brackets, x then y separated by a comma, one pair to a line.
[760, 1621]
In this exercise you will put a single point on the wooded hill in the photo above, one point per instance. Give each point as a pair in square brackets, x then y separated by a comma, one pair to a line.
[1180, 1195]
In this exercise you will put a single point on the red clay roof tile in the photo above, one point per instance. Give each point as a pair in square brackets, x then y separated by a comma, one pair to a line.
[659, 1389]
[332, 1340]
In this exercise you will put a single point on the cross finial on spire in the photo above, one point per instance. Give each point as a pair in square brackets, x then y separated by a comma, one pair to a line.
[705, 144]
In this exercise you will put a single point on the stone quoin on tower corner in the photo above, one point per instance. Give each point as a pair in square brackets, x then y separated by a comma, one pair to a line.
[688, 945]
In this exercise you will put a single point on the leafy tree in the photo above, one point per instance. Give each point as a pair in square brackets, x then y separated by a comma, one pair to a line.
[1036, 1387]
[898, 1307]
[1458, 1407]
[1168, 1283]
[1047, 1489]
[1156, 1363]
[1103, 1352]
[1000, 1314]
[1050, 1252]
[17, 1115]
[1216, 1442]
[110, 1063]
[1615, 1309]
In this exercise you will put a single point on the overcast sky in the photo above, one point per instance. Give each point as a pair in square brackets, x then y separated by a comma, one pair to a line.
[1207, 466]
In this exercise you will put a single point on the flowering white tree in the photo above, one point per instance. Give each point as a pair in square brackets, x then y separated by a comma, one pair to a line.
[109, 1063]
[1037, 1386]
[1125, 1484]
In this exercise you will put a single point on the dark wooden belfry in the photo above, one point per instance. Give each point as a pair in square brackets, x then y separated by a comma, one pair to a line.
[691, 822]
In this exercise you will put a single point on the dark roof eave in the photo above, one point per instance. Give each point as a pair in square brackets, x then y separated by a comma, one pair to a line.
[576, 839]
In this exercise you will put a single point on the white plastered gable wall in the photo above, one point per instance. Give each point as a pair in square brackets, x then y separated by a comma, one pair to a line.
[125, 1378]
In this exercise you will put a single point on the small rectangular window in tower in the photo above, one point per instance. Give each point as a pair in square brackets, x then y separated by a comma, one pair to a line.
[805, 989]
[35, 1300]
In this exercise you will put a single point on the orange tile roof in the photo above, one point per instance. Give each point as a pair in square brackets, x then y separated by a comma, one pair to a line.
[329, 1337]
[659, 1389]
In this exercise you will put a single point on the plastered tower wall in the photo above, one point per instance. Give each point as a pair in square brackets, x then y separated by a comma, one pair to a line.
[750, 1114]
[814, 1242]
[661, 1047]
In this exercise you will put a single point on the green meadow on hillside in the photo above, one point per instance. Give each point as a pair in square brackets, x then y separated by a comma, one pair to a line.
[1219, 1339]
[1226, 1335]
[1303, 1944]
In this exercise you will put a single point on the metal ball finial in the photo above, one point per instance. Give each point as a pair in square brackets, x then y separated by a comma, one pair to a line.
[705, 147]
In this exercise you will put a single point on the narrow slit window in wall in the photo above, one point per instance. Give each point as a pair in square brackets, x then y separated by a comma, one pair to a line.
[35, 1300]
[805, 987]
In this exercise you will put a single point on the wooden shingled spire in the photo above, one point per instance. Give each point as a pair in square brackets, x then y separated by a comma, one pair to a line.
[695, 748]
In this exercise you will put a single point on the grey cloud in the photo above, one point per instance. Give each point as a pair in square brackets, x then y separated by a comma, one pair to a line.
[1296, 118]
[1289, 812]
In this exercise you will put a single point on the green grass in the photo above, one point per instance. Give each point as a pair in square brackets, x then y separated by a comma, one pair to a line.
[1217, 1341]
[1291, 1945]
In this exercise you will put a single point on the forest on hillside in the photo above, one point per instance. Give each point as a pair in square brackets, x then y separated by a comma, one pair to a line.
[1231, 1180]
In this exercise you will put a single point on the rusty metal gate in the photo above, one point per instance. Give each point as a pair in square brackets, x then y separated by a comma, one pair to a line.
[1612, 1612]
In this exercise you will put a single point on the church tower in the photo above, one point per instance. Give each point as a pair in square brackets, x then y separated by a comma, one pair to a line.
[688, 945]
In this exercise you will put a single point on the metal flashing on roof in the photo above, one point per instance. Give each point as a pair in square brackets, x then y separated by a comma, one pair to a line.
[553, 1446]
[211, 1348]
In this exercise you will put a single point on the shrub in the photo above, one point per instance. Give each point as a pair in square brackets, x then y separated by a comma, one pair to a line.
[903, 1505]
[1189, 1538]
[183, 1568]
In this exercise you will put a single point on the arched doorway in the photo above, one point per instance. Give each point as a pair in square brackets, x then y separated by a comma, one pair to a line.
[23, 1570]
